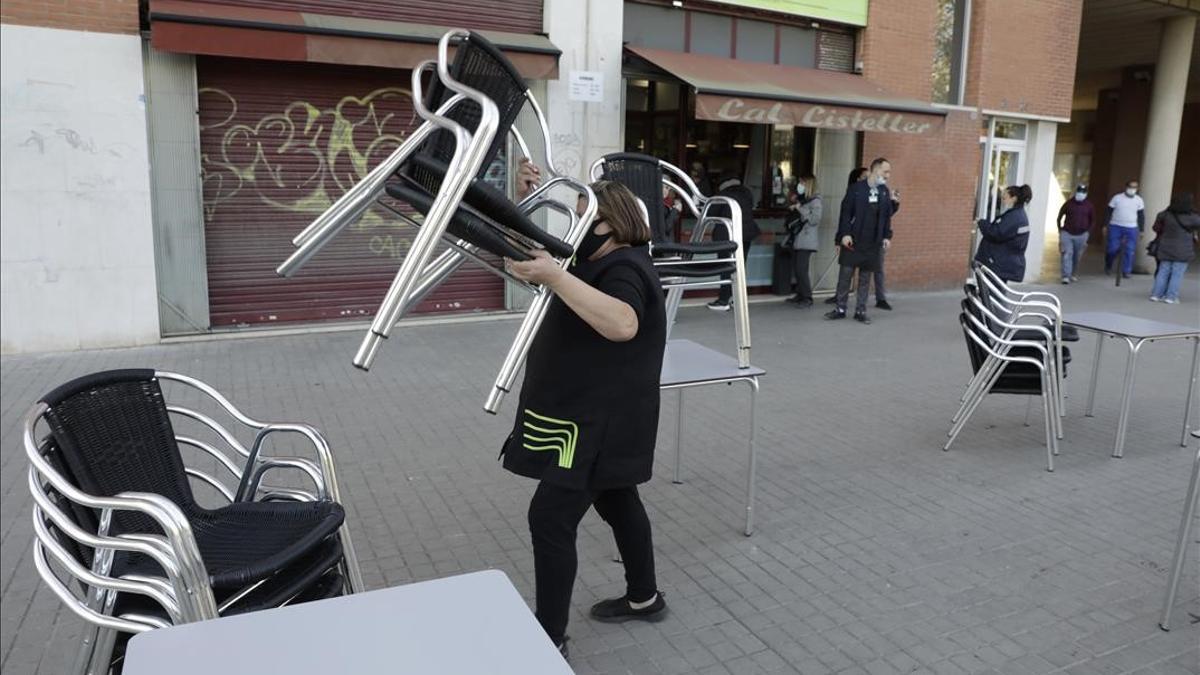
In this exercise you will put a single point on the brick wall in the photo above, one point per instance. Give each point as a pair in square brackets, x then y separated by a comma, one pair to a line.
[936, 178]
[897, 49]
[1022, 55]
[101, 16]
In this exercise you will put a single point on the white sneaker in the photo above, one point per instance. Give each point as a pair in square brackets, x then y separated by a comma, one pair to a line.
[1171, 301]
[1155, 298]
[718, 306]
[1066, 281]
[1074, 278]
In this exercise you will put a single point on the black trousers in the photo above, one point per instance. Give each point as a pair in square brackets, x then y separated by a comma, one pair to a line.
[554, 515]
[800, 269]
[726, 292]
[880, 291]
[845, 276]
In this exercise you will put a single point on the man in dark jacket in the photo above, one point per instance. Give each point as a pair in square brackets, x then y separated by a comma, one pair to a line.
[1075, 221]
[732, 187]
[864, 232]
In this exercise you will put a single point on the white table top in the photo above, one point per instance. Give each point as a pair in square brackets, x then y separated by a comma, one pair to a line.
[686, 362]
[472, 623]
[1116, 323]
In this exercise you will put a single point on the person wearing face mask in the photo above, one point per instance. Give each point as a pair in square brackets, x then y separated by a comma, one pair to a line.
[1075, 221]
[587, 419]
[1002, 248]
[1126, 217]
[864, 231]
[807, 206]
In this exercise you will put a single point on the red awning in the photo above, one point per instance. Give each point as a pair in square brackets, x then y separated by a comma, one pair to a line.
[728, 90]
[224, 30]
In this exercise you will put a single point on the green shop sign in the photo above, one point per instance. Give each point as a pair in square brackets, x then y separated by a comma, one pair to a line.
[853, 12]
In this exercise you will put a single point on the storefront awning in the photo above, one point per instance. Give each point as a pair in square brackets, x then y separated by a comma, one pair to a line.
[728, 90]
[225, 30]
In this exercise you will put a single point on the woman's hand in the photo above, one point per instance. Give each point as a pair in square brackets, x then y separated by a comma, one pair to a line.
[543, 269]
[528, 177]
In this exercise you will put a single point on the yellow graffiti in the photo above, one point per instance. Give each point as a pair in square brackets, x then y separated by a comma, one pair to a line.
[337, 146]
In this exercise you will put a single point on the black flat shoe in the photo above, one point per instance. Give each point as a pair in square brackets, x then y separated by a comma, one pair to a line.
[562, 646]
[884, 304]
[835, 315]
[617, 610]
[861, 317]
[831, 300]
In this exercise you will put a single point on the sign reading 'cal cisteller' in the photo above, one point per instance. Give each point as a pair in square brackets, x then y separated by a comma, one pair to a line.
[819, 115]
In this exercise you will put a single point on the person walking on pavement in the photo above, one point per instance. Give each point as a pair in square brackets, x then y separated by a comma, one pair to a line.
[1002, 248]
[587, 420]
[1126, 217]
[803, 230]
[1177, 227]
[732, 187]
[1075, 221]
[855, 175]
[864, 230]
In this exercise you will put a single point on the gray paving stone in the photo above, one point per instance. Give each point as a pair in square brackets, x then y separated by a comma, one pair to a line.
[875, 552]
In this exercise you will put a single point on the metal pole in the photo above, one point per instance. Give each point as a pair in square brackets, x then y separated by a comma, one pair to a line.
[1187, 406]
[1181, 544]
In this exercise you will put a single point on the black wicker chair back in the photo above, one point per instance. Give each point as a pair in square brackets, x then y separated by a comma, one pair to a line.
[643, 175]
[114, 435]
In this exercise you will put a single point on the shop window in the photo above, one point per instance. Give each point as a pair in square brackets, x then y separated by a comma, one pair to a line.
[1011, 130]
[949, 54]
[711, 34]
[654, 27]
[755, 41]
[652, 118]
[797, 46]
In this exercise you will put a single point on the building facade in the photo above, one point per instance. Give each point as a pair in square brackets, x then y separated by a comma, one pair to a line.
[159, 157]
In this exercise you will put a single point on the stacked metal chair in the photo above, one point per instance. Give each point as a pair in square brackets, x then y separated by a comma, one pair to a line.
[123, 540]
[1015, 343]
[469, 111]
[678, 267]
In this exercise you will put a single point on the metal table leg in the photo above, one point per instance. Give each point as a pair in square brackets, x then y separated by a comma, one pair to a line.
[1181, 545]
[752, 469]
[1095, 373]
[1187, 406]
[1127, 395]
[678, 434]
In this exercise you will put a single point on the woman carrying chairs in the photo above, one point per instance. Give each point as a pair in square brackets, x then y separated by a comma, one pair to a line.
[588, 414]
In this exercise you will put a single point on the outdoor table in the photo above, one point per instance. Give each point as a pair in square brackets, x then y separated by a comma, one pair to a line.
[687, 364]
[472, 623]
[1135, 332]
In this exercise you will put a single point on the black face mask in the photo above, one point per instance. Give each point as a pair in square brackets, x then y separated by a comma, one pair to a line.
[590, 244]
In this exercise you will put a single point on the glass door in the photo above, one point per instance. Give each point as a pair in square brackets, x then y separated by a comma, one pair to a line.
[1005, 169]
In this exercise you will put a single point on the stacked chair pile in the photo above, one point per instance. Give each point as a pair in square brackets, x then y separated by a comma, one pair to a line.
[1015, 344]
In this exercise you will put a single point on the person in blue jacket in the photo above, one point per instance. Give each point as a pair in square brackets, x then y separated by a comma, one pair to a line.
[1004, 239]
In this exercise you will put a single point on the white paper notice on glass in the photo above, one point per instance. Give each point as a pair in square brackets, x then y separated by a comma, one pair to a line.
[586, 85]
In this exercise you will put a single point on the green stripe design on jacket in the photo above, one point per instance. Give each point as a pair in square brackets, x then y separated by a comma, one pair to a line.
[544, 433]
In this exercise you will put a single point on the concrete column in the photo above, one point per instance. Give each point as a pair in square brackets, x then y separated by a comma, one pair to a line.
[1166, 119]
[1042, 211]
[589, 34]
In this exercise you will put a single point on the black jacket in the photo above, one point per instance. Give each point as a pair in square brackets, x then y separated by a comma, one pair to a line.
[745, 199]
[588, 413]
[855, 219]
[1004, 242]
[1175, 243]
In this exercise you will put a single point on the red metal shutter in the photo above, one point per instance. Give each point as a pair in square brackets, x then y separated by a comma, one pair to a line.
[279, 142]
[514, 16]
